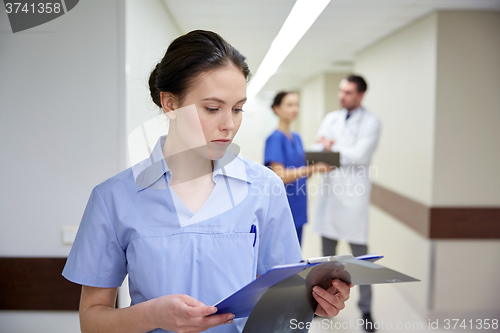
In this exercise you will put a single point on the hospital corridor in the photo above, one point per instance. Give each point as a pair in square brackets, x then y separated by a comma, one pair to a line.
[233, 166]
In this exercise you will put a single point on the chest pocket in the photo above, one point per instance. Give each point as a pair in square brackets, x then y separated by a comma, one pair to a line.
[206, 266]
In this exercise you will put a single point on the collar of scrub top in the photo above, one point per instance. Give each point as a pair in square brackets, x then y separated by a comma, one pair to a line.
[231, 168]
[149, 171]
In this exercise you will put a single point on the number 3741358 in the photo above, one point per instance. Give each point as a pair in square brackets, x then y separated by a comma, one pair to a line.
[479, 324]
[38, 8]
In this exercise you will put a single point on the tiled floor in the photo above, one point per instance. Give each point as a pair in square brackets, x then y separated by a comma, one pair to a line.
[390, 311]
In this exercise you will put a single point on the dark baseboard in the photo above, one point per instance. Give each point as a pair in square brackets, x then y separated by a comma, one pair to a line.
[36, 284]
[438, 222]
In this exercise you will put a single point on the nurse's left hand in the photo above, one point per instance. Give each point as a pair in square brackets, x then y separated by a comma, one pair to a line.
[332, 300]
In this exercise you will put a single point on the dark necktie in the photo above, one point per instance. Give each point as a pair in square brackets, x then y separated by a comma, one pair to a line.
[347, 116]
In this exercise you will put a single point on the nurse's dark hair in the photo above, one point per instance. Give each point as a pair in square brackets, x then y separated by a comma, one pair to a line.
[279, 98]
[360, 82]
[187, 57]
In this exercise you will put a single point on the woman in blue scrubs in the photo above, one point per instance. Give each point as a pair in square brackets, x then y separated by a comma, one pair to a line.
[189, 225]
[285, 155]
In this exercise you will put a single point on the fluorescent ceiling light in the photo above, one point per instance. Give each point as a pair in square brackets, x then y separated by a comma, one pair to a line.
[300, 19]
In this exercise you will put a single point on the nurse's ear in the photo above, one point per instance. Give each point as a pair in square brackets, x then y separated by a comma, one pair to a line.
[167, 102]
[275, 109]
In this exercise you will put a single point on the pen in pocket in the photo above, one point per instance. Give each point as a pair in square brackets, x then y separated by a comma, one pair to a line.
[253, 230]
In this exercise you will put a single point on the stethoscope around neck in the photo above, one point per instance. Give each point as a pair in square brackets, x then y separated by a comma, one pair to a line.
[353, 136]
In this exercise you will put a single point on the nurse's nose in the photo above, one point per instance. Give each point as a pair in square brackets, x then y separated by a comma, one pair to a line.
[226, 122]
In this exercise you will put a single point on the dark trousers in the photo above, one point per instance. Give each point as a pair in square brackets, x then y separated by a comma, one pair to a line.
[365, 298]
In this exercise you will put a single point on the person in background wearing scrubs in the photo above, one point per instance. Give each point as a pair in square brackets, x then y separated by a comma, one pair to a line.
[285, 155]
[344, 195]
[185, 224]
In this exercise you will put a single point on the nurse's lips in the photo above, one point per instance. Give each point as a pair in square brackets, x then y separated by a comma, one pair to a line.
[222, 142]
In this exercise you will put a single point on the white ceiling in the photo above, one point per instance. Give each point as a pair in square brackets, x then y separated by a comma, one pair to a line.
[344, 28]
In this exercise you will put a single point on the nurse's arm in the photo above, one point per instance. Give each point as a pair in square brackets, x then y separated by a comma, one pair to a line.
[171, 312]
[289, 175]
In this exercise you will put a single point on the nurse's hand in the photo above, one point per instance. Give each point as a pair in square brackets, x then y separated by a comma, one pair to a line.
[332, 300]
[321, 167]
[327, 143]
[182, 313]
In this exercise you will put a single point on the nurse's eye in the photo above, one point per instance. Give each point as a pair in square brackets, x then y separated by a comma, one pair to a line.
[236, 110]
[211, 109]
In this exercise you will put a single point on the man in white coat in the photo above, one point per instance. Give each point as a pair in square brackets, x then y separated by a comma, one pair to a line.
[344, 195]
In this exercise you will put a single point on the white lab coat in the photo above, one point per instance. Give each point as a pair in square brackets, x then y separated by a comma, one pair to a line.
[344, 193]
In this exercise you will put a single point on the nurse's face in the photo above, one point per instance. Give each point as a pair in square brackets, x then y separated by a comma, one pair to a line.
[289, 107]
[349, 96]
[211, 111]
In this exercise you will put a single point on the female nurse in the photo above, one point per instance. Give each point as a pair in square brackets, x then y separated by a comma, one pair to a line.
[190, 225]
[285, 155]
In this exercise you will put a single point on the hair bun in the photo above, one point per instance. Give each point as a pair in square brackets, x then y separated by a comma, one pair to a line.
[155, 92]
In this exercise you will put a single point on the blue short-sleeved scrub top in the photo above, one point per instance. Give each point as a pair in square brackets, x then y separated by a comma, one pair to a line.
[135, 224]
[290, 153]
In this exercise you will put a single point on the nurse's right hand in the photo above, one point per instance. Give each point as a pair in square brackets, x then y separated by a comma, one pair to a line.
[321, 167]
[183, 313]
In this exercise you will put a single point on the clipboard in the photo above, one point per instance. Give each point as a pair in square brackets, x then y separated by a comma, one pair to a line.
[328, 157]
[307, 274]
